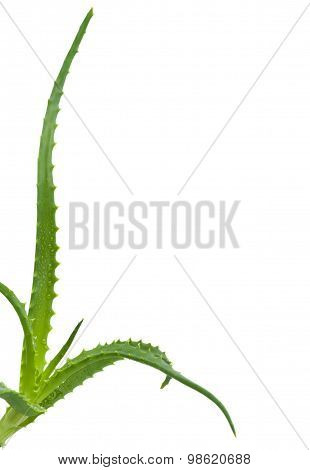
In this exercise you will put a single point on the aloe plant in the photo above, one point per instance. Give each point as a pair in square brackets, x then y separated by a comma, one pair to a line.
[42, 384]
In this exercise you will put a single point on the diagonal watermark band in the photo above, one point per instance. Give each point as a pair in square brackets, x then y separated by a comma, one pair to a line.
[245, 96]
[90, 133]
[189, 277]
[91, 320]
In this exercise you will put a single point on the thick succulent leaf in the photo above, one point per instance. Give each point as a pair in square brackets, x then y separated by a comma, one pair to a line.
[84, 366]
[54, 362]
[43, 293]
[19, 402]
[28, 367]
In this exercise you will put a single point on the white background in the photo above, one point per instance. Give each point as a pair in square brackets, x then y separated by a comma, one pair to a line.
[155, 82]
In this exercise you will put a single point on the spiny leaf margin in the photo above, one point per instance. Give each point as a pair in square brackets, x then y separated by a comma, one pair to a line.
[84, 366]
[44, 278]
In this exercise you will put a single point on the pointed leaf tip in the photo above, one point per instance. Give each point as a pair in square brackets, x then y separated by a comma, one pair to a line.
[89, 16]
[165, 382]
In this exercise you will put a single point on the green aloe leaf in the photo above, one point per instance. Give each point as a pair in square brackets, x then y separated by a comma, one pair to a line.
[42, 386]
[54, 362]
[44, 279]
[84, 366]
[28, 374]
[19, 402]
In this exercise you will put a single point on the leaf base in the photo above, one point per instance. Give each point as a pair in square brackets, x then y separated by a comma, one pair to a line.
[10, 423]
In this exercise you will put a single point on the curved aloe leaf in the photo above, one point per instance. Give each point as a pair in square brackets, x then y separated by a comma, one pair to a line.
[84, 366]
[44, 279]
[19, 402]
[54, 362]
[27, 378]
[46, 385]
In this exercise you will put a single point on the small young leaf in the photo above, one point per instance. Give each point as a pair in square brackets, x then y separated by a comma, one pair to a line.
[84, 366]
[28, 367]
[54, 362]
[19, 402]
